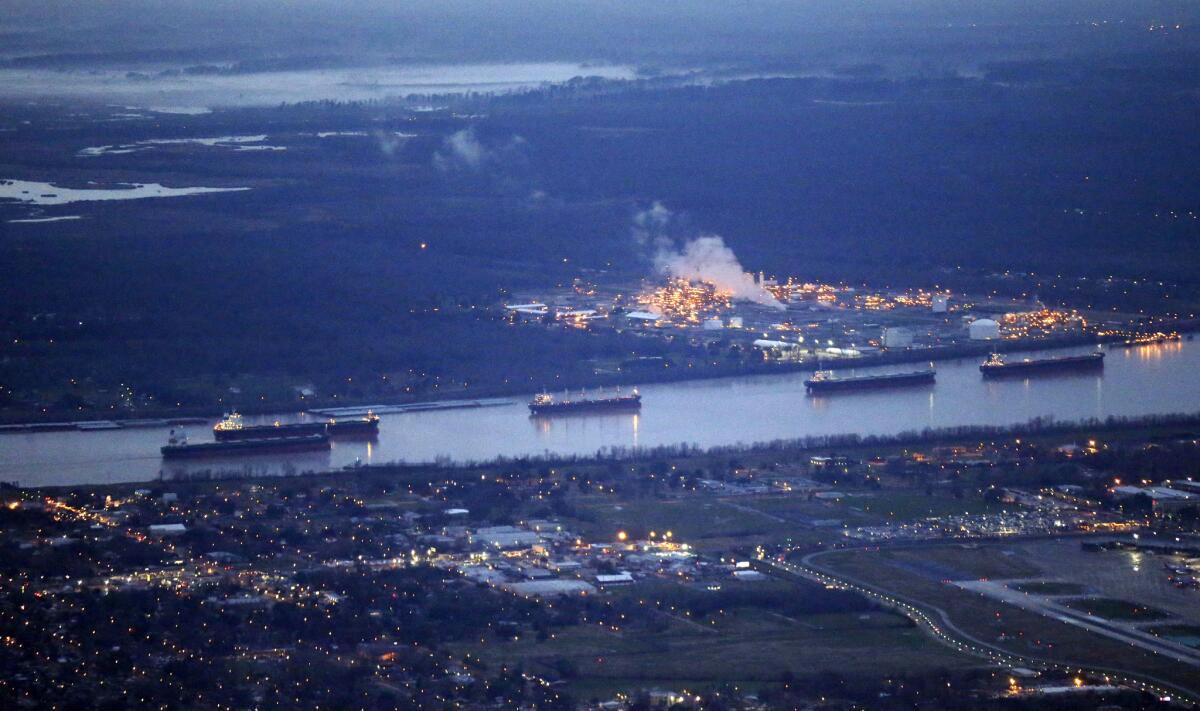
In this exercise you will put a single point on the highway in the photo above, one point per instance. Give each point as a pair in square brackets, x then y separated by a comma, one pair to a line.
[938, 624]
[1172, 650]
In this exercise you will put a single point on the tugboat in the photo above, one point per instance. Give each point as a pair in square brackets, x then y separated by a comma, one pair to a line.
[825, 380]
[997, 367]
[177, 446]
[545, 404]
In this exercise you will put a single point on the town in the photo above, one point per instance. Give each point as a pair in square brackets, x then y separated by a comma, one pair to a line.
[551, 584]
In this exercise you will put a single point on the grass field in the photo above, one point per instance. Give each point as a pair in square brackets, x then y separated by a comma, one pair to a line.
[1183, 634]
[870, 508]
[747, 646]
[688, 519]
[913, 505]
[957, 562]
[802, 511]
[1048, 587]
[1111, 609]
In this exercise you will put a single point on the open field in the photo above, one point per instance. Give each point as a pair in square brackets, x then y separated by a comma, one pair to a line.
[1183, 634]
[1111, 609]
[712, 521]
[910, 505]
[687, 519]
[803, 511]
[1048, 587]
[956, 562]
[744, 647]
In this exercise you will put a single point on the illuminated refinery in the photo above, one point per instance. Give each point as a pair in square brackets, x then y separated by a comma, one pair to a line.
[762, 319]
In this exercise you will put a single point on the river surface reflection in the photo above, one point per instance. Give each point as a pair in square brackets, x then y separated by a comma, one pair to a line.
[1135, 381]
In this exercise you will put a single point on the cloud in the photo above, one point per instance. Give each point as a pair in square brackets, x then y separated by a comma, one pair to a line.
[392, 141]
[463, 151]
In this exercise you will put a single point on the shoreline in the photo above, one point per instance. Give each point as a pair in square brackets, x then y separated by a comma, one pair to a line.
[834, 443]
[677, 374]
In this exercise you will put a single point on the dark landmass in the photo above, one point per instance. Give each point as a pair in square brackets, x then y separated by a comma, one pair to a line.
[317, 274]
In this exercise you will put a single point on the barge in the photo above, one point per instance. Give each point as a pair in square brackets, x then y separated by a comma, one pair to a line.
[545, 404]
[825, 381]
[998, 367]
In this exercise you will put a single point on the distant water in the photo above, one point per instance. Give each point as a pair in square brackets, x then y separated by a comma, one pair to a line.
[1136, 381]
[178, 93]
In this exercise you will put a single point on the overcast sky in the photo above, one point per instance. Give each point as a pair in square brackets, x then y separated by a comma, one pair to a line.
[615, 30]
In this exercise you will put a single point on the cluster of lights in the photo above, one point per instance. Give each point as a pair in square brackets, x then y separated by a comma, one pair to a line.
[1023, 324]
[686, 301]
[791, 289]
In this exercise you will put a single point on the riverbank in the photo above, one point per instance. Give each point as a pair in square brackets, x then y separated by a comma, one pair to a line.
[18, 421]
[1152, 428]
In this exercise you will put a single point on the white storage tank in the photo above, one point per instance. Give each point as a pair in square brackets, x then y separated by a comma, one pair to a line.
[940, 303]
[984, 329]
[897, 337]
[713, 324]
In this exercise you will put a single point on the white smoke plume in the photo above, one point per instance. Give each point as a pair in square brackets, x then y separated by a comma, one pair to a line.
[464, 151]
[390, 142]
[702, 258]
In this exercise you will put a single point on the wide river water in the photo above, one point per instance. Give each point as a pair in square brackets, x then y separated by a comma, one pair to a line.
[1135, 381]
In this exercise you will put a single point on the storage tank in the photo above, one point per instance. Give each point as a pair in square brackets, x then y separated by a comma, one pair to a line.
[896, 337]
[984, 329]
[735, 322]
[940, 303]
[713, 324]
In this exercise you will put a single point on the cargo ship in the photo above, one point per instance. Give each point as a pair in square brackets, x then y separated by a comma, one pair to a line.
[997, 367]
[825, 381]
[177, 446]
[232, 429]
[545, 404]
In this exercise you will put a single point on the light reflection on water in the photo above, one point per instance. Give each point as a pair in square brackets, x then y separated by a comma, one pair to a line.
[1135, 381]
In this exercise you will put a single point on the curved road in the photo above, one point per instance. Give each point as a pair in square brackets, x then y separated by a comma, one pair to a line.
[944, 630]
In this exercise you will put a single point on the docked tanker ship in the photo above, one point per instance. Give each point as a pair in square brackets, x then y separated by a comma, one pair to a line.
[177, 446]
[997, 367]
[232, 429]
[545, 404]
[825, 381]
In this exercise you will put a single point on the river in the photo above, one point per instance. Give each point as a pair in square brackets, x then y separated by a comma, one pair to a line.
[1154, 379]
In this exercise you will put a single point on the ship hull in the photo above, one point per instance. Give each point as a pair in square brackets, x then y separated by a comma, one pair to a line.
[573, 406]
[1091, 361]
[870, 382]
[277, 445]
[353, 428]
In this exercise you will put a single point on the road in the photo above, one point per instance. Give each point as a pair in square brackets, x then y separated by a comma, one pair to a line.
[1091, 623]
[938, 624]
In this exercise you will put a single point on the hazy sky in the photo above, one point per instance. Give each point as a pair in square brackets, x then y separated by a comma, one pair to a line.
[615, 30]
